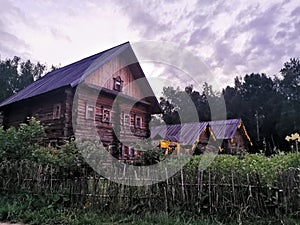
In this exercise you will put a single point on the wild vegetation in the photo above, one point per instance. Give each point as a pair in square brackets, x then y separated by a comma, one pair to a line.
[46, 185]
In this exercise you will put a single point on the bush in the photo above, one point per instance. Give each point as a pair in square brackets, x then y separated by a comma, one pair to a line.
[268, 169]
[18, 144]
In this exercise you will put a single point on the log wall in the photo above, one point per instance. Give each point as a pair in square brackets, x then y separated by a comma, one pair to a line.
[97, 128]
[57, 121]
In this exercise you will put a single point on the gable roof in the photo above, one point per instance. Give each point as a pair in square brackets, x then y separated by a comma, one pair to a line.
[73, 74]
[186, 132]
[224, 129]
[189, 132]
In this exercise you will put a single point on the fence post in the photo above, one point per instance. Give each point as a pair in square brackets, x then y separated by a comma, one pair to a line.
[182, 185]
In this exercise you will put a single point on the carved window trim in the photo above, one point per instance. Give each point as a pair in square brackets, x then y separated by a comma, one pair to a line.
[106, 115]
[118, 84]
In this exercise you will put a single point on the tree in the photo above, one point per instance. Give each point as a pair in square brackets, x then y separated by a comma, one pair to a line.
[188, 105]
[8, 77]
[290, 84]
[16, 75]
[289, 88]
[256, 101]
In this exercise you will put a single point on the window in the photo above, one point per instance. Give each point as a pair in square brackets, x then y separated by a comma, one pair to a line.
[127, 120]
[118, 83]
[89, 112]
[106, 115]
[138, 122]
[56, 111]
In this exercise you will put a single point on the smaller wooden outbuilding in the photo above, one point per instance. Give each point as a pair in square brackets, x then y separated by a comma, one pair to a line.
[228, 136]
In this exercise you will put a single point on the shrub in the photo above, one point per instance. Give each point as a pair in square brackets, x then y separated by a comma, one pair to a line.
[18, 144]
[268, 169]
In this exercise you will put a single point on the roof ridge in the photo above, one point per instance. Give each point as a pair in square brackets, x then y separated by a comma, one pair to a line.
[80, 60]
[63, 76]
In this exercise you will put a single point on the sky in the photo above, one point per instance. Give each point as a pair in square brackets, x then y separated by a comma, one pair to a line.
[232, 38]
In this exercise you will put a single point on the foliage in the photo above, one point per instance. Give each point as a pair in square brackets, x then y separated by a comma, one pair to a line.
[176, 104]
[15, 75]
[65, 156]
[268, 169]
[149, 154]
[18, 144]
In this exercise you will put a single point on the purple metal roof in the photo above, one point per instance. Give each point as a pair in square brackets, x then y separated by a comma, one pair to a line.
[71, 74]
[186, 133]
[224, 129]
[189, 132]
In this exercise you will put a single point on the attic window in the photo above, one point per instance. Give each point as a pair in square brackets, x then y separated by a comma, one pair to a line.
[118, 83]
[56, 111]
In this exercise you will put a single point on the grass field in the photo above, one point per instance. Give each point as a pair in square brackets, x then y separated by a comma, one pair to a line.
[26, 209]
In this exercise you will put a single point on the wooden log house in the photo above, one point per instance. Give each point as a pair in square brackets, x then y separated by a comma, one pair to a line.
[225, 136]
[114, 93]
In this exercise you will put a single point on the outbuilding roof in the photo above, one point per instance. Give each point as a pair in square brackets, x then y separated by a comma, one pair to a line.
[189, 132]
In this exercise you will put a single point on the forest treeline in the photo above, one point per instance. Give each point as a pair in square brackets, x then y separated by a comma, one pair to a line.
[268, 106]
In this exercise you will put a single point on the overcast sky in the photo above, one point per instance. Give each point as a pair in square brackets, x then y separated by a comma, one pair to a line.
[231, 37]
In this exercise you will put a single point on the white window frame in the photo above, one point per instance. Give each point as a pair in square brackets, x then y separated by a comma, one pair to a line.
[57, 111]
[127, 122]
[136, 122]
[107, 120]
[118, 84]
[89, 108]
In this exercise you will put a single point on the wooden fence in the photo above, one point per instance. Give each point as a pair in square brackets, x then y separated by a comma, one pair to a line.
[202, 191]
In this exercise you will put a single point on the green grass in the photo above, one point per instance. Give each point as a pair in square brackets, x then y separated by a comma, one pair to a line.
[36, 210]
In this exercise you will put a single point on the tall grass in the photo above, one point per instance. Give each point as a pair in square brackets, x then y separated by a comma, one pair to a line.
[29, 210]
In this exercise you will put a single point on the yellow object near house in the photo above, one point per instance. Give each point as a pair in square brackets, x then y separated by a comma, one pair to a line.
[170, 146]
[164, 144]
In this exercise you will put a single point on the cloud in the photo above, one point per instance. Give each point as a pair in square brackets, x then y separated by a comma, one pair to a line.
[296, 12]
[11, 44]
[232, 37]
[143, 17]
[201, 36]
[59, 35]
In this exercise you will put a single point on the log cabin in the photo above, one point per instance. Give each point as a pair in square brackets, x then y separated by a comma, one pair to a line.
[104, 96]
[226, 136]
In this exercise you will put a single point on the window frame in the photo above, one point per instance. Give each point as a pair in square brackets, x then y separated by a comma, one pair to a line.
[56, 113]
[136, 122]
[118, 84]
[88, 116]
[103, 114]
[127, 122]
